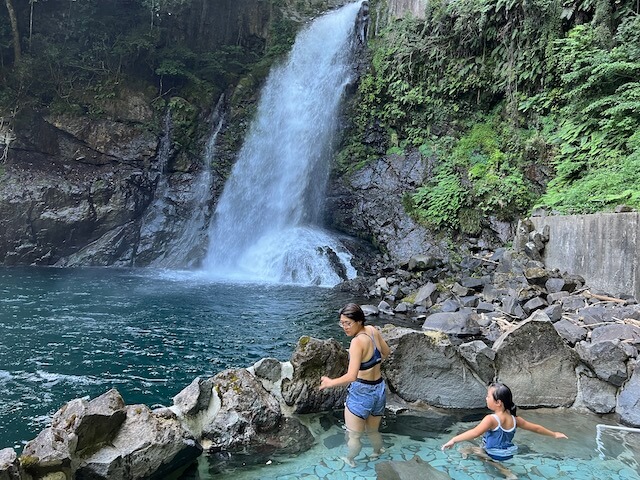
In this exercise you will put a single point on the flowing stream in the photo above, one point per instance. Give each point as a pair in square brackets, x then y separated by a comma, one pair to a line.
[267, 226]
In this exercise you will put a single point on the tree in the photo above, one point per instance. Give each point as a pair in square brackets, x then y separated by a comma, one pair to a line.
[17, 54]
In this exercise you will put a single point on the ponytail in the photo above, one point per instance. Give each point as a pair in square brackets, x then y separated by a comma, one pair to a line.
[503, 393]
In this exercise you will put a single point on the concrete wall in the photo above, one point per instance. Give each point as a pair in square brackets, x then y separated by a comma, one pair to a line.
[603, 248]
[403, 8]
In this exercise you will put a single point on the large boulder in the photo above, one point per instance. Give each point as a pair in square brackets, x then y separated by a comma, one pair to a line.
[94, 422]
[427, 367]
[607, 359]
[597, 395]
[250, 419]
[370, 201]
[103, 438]
[628, 406]
[536, 364]
[9, 466]
[149, 445]
[312, 359]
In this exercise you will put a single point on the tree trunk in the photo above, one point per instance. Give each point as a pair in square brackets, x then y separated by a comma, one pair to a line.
[17, 54]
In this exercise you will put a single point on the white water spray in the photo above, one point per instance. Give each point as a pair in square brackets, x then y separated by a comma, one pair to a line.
[266, 224]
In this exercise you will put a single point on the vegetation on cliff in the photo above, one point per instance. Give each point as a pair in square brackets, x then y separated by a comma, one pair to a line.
[78, 57]
[517, 103]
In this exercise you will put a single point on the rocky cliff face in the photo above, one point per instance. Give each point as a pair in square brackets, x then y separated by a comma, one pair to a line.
[111, 190]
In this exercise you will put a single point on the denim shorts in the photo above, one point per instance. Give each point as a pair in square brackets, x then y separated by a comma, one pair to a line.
[364, 399]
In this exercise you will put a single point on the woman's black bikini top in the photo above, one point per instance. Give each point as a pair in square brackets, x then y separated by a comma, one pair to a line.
[375, 359]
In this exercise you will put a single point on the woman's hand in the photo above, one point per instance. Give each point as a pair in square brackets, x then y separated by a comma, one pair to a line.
[325, 382]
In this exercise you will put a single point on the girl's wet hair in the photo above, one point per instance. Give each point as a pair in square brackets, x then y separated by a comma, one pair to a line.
[503, 393]
[353, 311]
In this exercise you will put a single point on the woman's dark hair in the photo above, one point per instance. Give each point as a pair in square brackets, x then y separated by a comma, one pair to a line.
[503, 393]
[353, 311]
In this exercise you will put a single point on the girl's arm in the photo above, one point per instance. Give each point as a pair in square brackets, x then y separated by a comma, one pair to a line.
[355, 357]
[534, 427]
[487, 423]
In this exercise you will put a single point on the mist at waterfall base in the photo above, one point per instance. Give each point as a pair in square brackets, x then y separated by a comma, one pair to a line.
[267, 223]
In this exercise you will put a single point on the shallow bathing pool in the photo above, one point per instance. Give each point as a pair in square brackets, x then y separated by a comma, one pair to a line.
[614, 455]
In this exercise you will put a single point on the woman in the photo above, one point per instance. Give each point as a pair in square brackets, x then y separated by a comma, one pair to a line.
[366, 395]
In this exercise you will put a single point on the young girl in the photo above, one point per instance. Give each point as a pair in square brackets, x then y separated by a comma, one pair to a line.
[500, 427]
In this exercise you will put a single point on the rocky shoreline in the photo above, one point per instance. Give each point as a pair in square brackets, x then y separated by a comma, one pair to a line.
[452, 330]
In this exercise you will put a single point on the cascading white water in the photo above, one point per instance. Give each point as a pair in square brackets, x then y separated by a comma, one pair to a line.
[266, 226]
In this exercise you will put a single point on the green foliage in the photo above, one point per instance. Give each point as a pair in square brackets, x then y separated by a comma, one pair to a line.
[531, 92]
[184, 116]
[475, 179]
[599, 119]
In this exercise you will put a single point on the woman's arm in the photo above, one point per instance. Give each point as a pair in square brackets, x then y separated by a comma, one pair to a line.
[534, 427]
[487, 423]
[355, 357]
[384, 348]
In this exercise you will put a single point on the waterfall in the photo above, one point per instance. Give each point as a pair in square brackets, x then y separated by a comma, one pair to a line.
[173, 232]
[267, 223]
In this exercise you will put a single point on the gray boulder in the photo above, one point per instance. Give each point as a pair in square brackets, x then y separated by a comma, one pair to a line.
[245, 410]
[93, 422]
[426, 367]
[461, 323]
[597, 395]
[536, 364]
[9, 466]
[148, 445]
[628, 406]
[616, 331]
[79, 426]
[571, 332]
[607, 359]
[311, 360]
[194, 398]
[481, 358]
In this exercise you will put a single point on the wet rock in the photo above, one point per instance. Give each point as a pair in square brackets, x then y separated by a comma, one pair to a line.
[571, 332]
[312, 359]
[427, 367]
[606, 359]
[461, 323]
[9, 466]
[628, 405]
[597, 395]
[535, 362]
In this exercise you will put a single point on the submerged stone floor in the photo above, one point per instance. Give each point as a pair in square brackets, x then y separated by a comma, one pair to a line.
[615, 457]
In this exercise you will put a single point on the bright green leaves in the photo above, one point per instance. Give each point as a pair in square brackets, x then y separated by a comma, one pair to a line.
[599, 120]
[477, 178]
